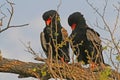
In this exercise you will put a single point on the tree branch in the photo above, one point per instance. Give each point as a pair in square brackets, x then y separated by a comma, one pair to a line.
[114, 41]
[24, 69]
[13, 27]
[11, 11]
[44, 71]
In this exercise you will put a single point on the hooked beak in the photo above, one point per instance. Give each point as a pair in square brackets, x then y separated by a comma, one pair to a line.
[73, 26]
[48, 21]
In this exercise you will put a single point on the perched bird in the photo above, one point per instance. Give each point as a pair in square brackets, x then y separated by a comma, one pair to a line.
[85, 42]
[53, 38]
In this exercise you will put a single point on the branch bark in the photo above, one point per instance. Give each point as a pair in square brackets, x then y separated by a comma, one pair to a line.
[43, 71]
[24, 69]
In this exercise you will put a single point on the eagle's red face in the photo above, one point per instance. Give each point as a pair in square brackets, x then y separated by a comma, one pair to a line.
[73, 26]
[48, 21]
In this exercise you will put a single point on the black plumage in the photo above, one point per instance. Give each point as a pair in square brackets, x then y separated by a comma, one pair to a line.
[53, 37]
[86, 43]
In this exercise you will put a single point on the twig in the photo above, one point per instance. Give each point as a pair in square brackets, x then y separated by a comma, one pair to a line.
[2, 12]
[111, 32]
[59, 5]
[13, 27]
[30, 50]
[10, 18]
[105, 6]
[97, 25]
[117, 18]
[11, 13]
[107, 26]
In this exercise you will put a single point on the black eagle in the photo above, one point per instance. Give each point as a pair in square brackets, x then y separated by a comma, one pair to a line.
[85, 42]
[53, 38]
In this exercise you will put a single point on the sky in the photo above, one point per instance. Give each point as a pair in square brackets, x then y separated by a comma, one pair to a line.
[30, 12]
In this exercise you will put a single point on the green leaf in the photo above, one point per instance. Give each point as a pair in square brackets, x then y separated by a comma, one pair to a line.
[43, 73]
[56, 34]
[86, 50]
[104, 75]
[105, 47]
[34, 69]
[118, 57]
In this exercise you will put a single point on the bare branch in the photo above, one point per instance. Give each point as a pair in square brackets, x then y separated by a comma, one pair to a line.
[96, 10]
[113, 63]
[11, 11]
[97, 25]
[19, 25]
[13, 27]
[105, 6]
[105, 22]
[59, 5]
[114, 48]
[1, 19]
[30, 50]
[117, 18]
[2, 12]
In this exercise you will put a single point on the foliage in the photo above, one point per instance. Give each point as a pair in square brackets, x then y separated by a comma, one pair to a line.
[104, 75]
